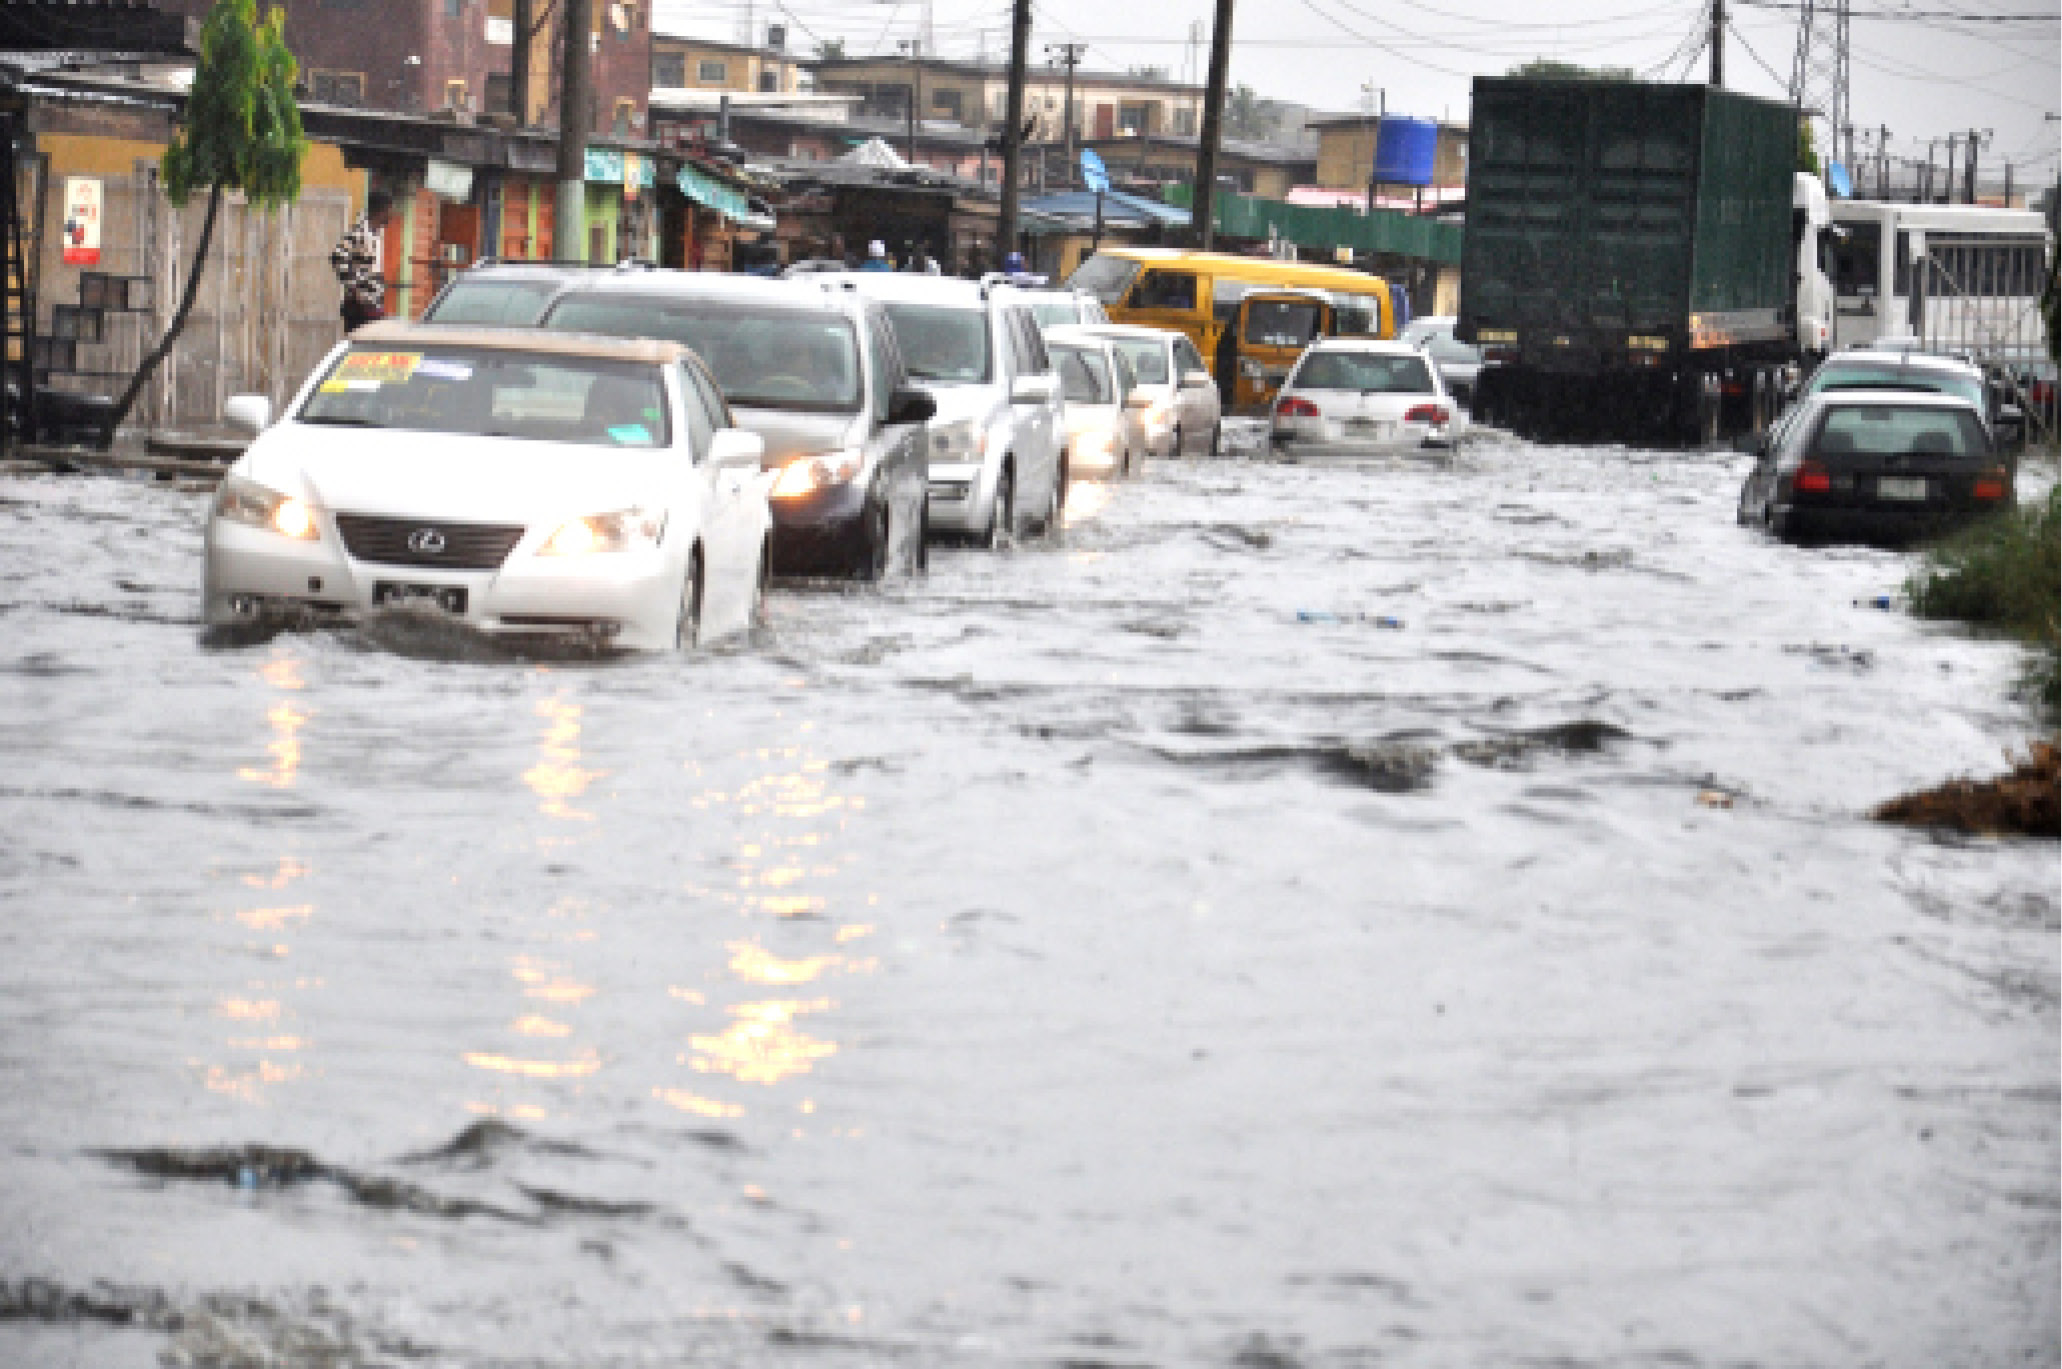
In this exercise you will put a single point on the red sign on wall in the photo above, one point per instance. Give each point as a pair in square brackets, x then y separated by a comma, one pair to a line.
[81, 221]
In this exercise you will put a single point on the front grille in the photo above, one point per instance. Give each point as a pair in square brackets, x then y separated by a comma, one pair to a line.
[395, 542]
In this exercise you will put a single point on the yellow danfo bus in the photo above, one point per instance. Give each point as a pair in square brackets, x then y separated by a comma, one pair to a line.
[1198, 293]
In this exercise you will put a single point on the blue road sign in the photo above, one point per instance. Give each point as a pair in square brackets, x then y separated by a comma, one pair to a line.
[1839, 182]
[1094, 174]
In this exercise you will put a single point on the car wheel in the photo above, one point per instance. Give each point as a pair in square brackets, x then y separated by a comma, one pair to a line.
[1217, 439]
[923, 538]
[1174, 448]
[874, 556]
[687, 632]
[1002, 518]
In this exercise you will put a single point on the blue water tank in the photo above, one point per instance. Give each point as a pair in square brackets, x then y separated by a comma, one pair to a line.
[1405, 151]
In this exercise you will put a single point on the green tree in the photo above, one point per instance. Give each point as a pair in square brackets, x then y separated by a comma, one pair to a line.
[1248, 116]
[242, 131]
[1547, 69]
[1807, 148]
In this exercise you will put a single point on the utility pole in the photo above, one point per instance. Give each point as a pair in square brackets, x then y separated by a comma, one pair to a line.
[575, 114]
[1070, 55]
[1975, 141]
[519, 61]
[1013, 130]
[1883, 162]
[914, 48]
[1717, 43]
[1948, 186]
[1201, 218]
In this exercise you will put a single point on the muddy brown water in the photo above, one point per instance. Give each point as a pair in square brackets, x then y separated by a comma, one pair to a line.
[1074, 957]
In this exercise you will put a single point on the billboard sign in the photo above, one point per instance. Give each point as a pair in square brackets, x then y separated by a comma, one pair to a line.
[81, 221]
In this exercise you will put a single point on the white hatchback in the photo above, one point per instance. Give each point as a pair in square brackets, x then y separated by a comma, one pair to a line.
[1353, 396]
[523, 482]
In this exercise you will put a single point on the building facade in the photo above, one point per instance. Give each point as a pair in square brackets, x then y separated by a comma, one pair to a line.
[702, 64]
[975, 95]
[1346, 153]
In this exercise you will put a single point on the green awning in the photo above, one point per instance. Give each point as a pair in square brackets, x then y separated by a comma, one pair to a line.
[725, 200]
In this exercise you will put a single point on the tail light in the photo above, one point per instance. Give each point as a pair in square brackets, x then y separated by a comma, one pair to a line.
[1990, 485]
[1296, 407]
[1811, 478]
[1427, 413]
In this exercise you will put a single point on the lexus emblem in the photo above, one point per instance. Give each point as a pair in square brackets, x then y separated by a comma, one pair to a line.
[426, 542]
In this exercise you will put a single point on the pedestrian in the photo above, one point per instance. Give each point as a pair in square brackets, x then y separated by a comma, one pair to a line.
[356, 261]
[877, 257]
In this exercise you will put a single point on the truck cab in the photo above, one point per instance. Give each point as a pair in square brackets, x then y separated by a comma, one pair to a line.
[1812, 238]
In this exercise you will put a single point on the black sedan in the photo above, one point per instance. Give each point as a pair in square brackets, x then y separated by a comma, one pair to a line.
[1874, 465]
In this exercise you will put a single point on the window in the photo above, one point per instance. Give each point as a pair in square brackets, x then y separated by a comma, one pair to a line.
[500, 93]
[1148, 360]
[454, 9]
[1084, 379]
[695, 412]
[941, 342]
[454, 95]
[1185, 122]
[499, 302]
[1165, 290]
[1283, 323]
[1105, 277]
[626, 114]
[1186, 357]
[999, 105]
[1884, 429]
[712, 69]
[769, 80]
[1858, 261]
[947, 103]
[1367, 372]
[1135, 118]
[887, 366]
[1027, 343]
[719, 407]
[337, 87]
[669, 69]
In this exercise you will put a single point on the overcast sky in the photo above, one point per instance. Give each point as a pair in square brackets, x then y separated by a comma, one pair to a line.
[1916, 65]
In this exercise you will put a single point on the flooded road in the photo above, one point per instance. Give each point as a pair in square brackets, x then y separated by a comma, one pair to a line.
[1122, 951]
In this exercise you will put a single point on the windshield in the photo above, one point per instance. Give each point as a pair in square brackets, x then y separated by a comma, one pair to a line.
[940, 342]
[1149, 359]
[493, 393]
[1833, 376]
[1894, 430]
[1084, 376]
[1369, 372]
[1282, 323]
[1105, 277]
[516, 302]
[763, 358]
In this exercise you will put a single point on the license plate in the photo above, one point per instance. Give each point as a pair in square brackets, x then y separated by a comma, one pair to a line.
[1900, 487]
[1370, 428]
[450, 598]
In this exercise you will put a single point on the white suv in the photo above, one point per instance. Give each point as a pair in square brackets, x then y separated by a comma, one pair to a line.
[998, 440]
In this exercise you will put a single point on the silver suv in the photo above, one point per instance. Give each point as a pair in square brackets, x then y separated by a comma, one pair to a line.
[998, 439]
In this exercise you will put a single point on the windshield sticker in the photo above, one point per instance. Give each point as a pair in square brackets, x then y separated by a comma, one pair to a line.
[381, 368]
[632, 435]
[436, 369]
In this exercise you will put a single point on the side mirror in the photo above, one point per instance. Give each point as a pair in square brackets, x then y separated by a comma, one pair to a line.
[1032, 390]
[1196, 380]
[911, 405]
[252, 413]
[734, 447]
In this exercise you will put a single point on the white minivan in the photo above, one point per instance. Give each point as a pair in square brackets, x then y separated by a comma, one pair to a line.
[998, 439]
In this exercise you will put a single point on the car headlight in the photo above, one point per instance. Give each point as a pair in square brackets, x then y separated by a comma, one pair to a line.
[805, 475]
[959, 440]
[247, 502]
[628, 530]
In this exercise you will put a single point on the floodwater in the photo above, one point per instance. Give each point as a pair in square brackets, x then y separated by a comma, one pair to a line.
[1121, 951]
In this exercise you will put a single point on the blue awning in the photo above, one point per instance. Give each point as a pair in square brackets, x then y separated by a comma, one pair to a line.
[726, 200]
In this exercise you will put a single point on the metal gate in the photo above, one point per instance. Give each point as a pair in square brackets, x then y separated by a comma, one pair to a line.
[1982, 295]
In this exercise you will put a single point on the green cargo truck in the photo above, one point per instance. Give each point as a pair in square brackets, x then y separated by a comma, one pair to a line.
[1641, 260]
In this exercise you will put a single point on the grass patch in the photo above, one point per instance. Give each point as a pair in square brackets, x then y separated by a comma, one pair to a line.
[2006, 573]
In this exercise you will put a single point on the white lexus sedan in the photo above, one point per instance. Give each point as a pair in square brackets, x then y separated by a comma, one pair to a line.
[524, 482]
[1356, 396]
